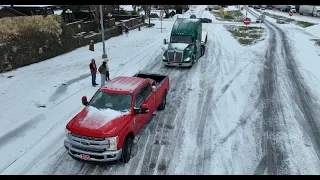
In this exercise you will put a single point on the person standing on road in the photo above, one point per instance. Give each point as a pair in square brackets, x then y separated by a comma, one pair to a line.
[103, 70]
[93, 70]
[107, 70]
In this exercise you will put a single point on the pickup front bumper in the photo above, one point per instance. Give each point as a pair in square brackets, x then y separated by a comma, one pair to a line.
[105, 156]
[177, 64]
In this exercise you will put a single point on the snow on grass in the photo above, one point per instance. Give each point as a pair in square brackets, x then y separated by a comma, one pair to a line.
[96, 118]
[315, 30]
[309, 59]
[253, 34]
[25, 127]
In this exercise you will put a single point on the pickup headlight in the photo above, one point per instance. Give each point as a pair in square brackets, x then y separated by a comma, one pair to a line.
[187, 59]
[164, 58]
[67, 132]
[113, 142]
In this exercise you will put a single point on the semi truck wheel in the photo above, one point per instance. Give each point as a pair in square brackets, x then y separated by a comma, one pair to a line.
[126, 149]
[162, 106]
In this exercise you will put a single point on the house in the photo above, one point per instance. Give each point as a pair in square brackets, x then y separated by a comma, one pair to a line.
[8, 12]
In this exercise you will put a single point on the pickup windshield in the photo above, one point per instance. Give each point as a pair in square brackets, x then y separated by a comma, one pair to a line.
[118, 102]
[181, 39]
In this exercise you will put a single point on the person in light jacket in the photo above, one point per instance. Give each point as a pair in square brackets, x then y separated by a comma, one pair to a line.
[103, 70]
[107, 70]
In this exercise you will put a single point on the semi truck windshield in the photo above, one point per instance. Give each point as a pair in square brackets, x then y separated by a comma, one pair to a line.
[181, 39]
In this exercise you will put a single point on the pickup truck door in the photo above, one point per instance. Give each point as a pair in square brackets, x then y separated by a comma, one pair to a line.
[144, 96]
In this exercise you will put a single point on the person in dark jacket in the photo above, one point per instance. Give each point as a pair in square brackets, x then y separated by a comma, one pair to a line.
[126, 30]
[93, 70]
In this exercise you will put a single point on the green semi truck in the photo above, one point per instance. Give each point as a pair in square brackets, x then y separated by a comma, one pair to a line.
[187, 43]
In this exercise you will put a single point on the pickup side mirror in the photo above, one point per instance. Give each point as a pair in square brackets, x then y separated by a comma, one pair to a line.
[164, 41]
[142, 110]
[84, 101]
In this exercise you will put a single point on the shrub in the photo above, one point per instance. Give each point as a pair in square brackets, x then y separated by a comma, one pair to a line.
[14, 26]
[31, 39]
[123, 12]
[134, 13]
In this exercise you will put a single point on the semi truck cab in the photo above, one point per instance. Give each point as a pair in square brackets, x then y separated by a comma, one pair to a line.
[186, 44]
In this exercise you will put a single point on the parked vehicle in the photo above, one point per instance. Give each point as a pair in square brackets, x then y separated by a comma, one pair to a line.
[283, 7]
[263, 7]
[256, 7]
[184, 48]
[206, 20]
[281, 21]
[104, 130]
[193, 16]
[250, 5]
[261, 18]
[309, 10]
[269, 6]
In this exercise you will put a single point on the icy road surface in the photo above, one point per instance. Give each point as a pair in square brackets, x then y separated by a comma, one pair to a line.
[238, 110]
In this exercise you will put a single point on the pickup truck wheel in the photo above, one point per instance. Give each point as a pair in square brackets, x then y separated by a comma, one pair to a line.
[162, 106]
[126, 150]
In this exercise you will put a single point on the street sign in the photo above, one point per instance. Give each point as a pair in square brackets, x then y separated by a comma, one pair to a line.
[290, 13]
[246, 21]
[225, 12]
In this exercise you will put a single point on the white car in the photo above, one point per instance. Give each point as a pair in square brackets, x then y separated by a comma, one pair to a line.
[293, 10]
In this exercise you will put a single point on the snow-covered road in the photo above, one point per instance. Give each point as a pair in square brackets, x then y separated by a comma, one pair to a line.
[290, 116]
[238, 110]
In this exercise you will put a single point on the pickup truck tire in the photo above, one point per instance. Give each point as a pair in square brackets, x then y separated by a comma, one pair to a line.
[126, 150]
[162, 106]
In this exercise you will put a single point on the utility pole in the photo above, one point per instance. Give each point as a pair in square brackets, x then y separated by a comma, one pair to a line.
[104, 55]
[149, 13]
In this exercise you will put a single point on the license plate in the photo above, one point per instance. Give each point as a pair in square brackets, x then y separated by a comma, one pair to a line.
[85, 157]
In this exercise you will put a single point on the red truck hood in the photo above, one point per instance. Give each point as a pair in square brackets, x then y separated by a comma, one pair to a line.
[95, 123]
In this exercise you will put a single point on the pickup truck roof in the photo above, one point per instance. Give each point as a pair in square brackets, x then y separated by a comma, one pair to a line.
[185, 26]
[126, 85]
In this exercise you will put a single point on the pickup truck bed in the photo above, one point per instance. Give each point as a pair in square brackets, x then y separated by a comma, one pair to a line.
[155, 79]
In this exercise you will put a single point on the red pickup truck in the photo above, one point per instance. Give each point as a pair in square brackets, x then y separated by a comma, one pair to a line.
[104, 130]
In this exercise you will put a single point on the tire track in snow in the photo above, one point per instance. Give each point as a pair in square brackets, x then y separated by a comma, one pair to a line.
[271, 145]
[175, 98]
[21, 129]
[210, 67]
[303, 97]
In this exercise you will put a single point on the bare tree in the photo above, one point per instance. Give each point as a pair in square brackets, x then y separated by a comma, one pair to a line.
[94, 9]
[106, 9]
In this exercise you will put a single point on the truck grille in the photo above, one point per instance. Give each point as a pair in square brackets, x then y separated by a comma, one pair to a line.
[87, 143]
[175, 56]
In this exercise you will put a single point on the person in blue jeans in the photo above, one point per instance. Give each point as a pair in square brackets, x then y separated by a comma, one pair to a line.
[93, 70]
